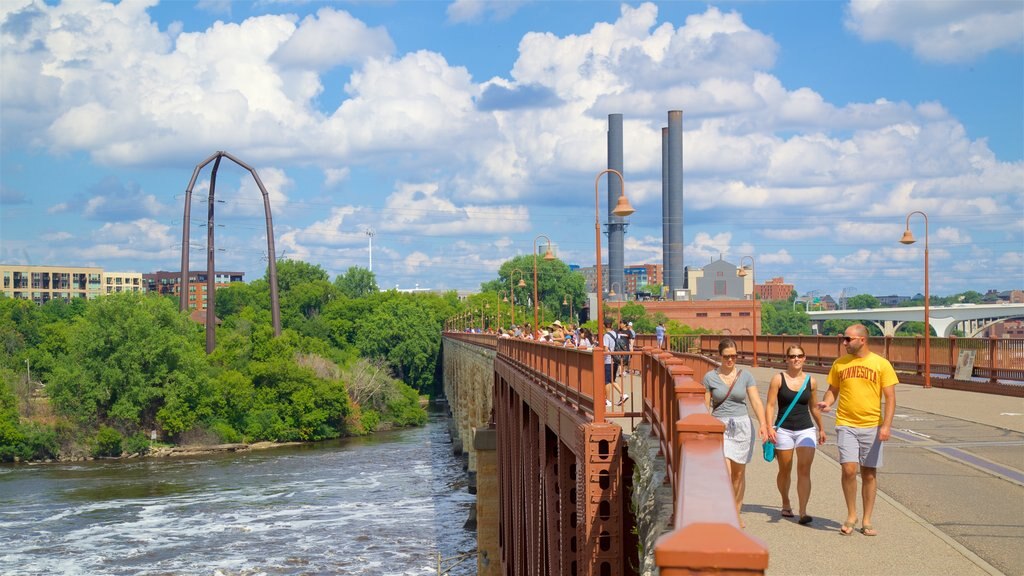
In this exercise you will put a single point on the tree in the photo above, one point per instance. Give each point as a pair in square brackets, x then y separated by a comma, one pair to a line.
[294, 272]
[555, 283]
[124, 356]
[356, 282]
[862, 301]
[778, 317]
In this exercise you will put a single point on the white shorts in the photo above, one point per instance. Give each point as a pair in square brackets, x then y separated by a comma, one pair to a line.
[789, 439]
[738, 443]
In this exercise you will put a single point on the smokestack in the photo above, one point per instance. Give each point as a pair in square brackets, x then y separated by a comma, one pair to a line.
[616, 224]
[665, 264]
[675, 201]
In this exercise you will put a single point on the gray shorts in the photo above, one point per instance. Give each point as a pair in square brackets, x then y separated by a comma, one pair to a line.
[859, 445]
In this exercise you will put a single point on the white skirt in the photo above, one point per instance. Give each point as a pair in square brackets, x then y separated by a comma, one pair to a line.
[738, 443]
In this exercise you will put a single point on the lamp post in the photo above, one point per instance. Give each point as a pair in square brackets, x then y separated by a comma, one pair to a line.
[908, 238]
[547, 256]
[567, 301]
[521, 284]
[622, 208]
[500, 296]
[753, 301]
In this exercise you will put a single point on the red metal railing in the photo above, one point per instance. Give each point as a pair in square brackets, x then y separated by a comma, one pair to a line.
[998, 362]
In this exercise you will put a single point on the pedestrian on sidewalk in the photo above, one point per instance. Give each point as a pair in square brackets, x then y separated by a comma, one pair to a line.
[727, 390]
[860, 380]
[800, 432]
[609, 340]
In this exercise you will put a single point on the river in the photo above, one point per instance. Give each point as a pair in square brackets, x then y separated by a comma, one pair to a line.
[381, 505]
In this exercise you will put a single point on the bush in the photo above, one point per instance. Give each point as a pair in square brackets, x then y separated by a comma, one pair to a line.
[137, 444]
[107, 442]
[226, 433]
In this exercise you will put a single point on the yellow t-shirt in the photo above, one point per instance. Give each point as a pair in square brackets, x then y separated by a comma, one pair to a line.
[860, 382]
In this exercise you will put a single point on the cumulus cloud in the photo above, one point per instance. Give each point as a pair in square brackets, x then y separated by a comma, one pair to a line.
[940, 30]
[143, 239]
[421, 209]
[332, 38]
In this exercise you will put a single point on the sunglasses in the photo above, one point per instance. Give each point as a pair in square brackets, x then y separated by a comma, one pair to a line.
[728, 356]
[848, 338]
[795, 356]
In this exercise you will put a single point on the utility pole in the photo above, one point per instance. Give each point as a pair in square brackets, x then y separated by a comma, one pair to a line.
[370, 233]
[28, 371]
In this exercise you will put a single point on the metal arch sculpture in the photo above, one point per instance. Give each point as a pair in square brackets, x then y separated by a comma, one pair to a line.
[211, 317]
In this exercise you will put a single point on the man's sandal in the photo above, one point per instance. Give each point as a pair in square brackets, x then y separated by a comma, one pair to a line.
[868, 530]
[847, 528]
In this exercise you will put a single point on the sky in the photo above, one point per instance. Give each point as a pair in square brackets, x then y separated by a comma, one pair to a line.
[459, 132]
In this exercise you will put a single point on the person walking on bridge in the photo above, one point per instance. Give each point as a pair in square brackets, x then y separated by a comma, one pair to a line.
[860, 380]
[727, 390]
[794, 432]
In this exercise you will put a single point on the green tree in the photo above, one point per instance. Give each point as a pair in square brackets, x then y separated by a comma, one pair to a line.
[291, 273]
[862, 301]
[555, 283]
[124, 356]
[405, 330]
[356, 282]
[778, 317]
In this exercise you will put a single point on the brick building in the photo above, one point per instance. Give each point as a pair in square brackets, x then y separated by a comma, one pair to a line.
[164, 282]
[774, 289]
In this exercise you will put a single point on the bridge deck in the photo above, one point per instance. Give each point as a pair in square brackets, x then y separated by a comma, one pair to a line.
[951, 494]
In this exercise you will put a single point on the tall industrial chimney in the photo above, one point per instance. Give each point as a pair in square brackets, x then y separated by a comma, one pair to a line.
[665, 264]
[616, 224]
[675, 202]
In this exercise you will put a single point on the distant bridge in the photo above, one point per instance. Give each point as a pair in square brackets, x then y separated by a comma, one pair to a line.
[972, 318]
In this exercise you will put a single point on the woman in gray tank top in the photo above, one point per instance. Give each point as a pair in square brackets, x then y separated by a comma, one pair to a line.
[727, 390]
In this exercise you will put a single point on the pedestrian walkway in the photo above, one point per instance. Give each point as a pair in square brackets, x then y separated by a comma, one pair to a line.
[906, 544]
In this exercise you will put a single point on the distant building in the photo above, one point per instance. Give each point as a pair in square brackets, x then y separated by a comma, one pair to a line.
[639, 275]
[117, 282]
[168, 283]
[892, 301]
[718, 281]
[44, 283]
[774, 289]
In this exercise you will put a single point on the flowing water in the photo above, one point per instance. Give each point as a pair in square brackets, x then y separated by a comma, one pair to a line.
[382, 505]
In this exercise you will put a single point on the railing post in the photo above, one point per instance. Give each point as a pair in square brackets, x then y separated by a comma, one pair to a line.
[992, 350]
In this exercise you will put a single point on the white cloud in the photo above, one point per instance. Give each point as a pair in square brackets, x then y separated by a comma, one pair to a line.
[780, 257]
[940, 30]
[332, 38]
[421, 209]
[706, 248]
[335, 176]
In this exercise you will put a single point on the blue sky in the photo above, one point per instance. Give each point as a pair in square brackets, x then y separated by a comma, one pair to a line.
[459, 131]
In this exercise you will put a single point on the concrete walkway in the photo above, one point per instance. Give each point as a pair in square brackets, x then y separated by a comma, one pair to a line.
[906, 544]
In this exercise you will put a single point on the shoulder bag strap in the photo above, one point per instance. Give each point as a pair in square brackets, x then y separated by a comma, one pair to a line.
[793, 403]
[729, 391]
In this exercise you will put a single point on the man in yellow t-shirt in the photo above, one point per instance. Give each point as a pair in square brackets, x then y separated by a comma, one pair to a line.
[860, 380]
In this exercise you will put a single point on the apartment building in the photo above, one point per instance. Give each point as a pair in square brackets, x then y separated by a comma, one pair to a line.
[117, 282]
[164, 282]
[774, 289]
[44, 283]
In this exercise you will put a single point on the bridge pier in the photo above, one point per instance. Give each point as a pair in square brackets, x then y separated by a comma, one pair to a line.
[468, 385]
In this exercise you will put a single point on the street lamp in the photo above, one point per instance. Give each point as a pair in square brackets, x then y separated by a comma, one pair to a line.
[753, 301]
[521, 284]
[567, 301]
[908, 238]
[622, 208]
[547, 256]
